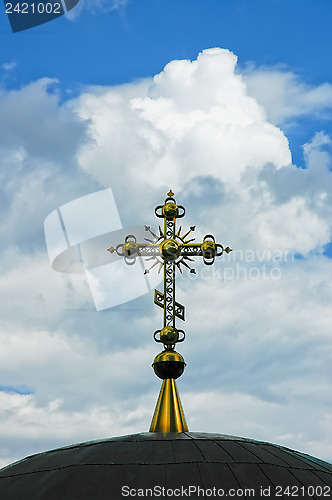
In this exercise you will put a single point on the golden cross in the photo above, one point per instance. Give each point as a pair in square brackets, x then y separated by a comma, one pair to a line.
[170, 250]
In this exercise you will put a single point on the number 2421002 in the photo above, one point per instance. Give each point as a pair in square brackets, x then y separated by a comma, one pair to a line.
[33, 8]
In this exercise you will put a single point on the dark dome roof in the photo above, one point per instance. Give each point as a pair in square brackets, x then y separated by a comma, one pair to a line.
[99, 469]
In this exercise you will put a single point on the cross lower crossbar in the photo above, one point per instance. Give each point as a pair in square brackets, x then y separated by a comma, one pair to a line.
[159, 300]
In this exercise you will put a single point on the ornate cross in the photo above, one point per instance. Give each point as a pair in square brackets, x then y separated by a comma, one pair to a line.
[170, 250]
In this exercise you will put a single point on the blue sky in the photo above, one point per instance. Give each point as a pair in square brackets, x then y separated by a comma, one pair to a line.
[141, 37]
[110, 46]
[229, 104]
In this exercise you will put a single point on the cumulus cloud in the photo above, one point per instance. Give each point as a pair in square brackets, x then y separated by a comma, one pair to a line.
[258, 322]
[285, 97]
[203, 124]
[38, 144]
[195, 122]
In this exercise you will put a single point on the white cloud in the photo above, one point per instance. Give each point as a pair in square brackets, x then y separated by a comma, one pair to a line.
[197, 121]
[258, 339]
[10, 66]
[203, 124]
[285, 97]
[95, 6]
[38, 145]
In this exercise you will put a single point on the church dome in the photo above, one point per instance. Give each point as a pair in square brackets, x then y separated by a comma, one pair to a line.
[152, 465]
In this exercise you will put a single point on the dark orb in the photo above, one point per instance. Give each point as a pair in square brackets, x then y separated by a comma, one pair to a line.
[168, 364]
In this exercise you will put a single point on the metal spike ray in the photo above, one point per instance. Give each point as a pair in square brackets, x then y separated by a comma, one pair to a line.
[178, 265]
[184, 263]
[151, 267]
[170, 250]
[147, 228]
[192, 228]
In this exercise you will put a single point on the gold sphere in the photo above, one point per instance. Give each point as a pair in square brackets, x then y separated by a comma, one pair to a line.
[130, 248]
[168, 364]
[169, 249]
[170, 210]
[209, 249]
[169, 335]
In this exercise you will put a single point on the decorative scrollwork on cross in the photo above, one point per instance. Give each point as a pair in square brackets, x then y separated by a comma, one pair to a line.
[170, 250]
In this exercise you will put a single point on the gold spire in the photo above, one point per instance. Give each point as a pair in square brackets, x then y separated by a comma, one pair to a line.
[170, 250]
[168, 415]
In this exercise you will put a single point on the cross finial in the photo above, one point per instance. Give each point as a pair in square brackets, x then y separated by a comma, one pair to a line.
[169, 250]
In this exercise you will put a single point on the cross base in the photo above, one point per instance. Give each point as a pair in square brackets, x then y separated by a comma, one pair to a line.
[168, 415]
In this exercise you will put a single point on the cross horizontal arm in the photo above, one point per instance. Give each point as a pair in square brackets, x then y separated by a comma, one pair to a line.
[185, 250]
[194, 249]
